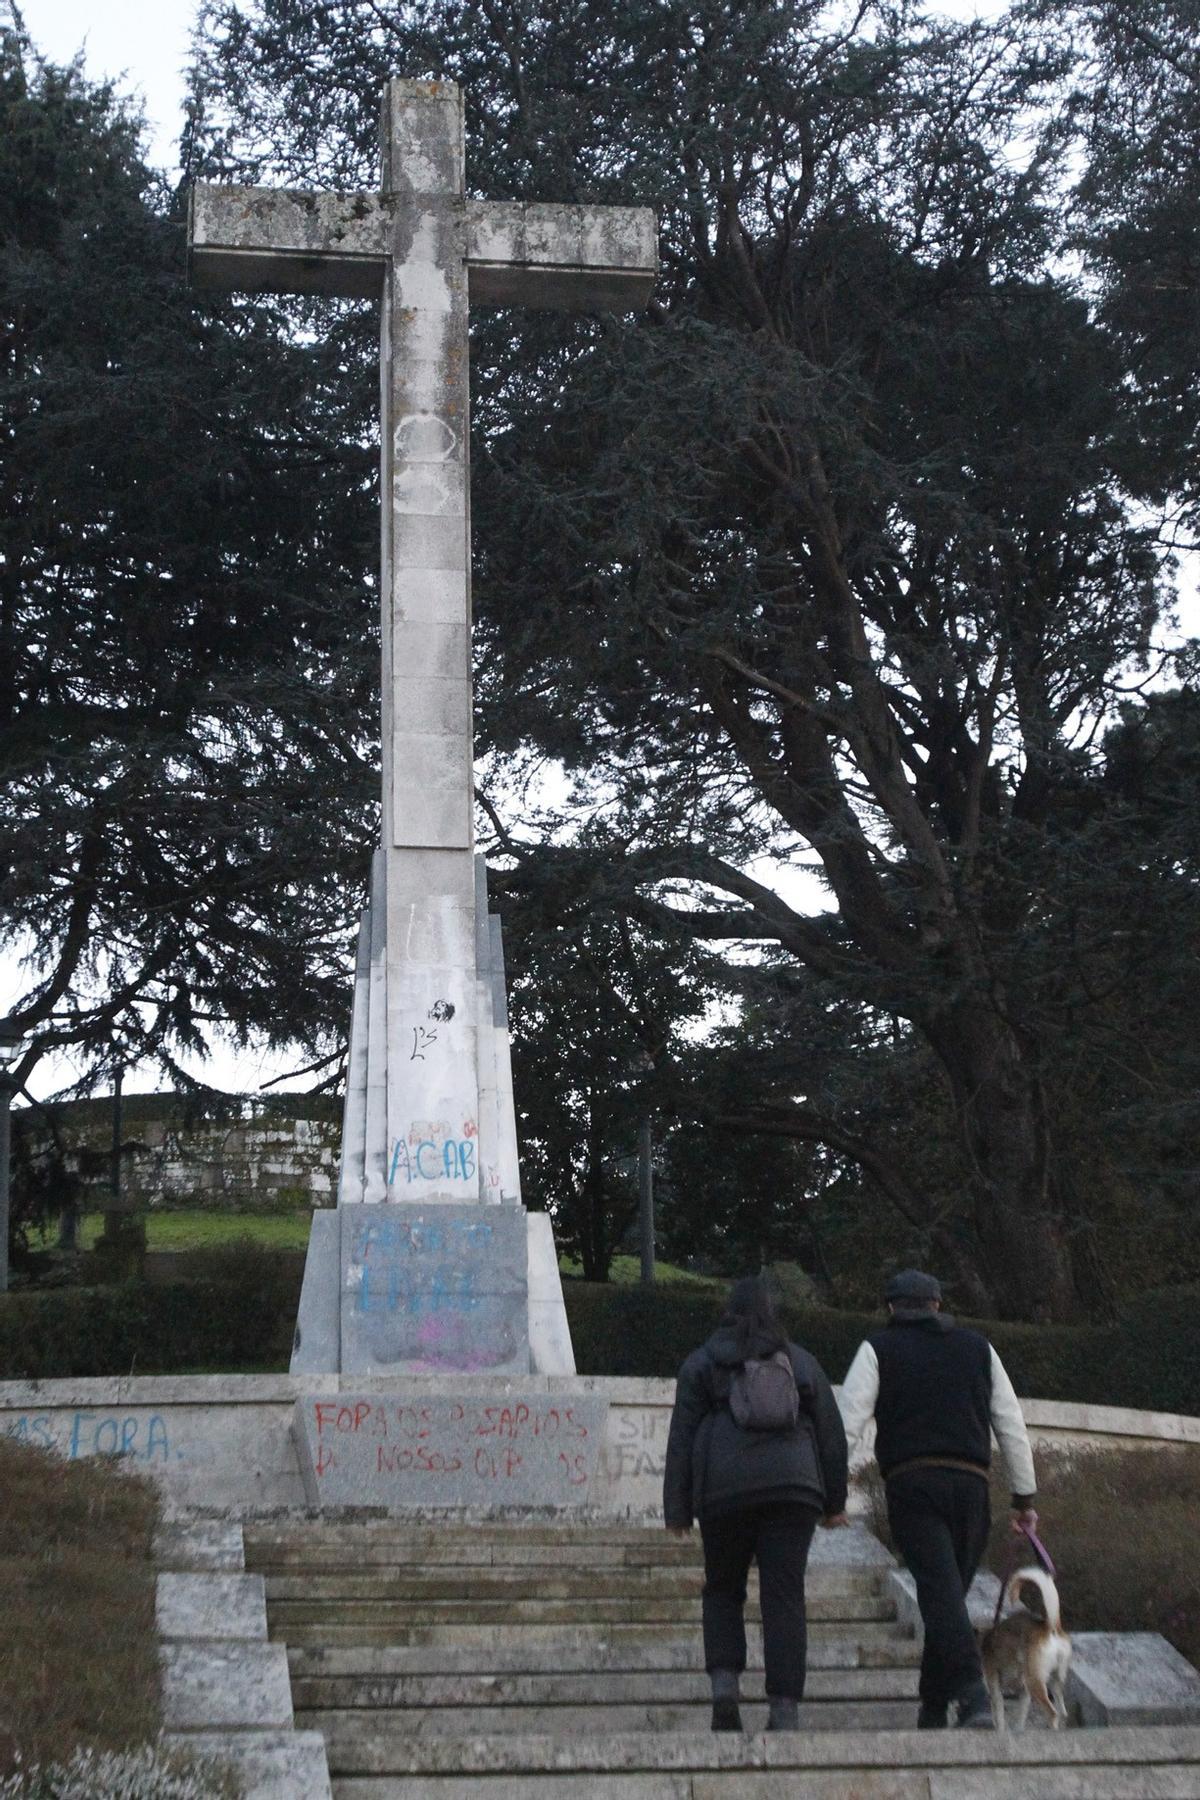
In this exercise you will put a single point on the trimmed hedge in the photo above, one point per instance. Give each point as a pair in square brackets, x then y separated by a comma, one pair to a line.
[1150, 1358]
[236, 1310]
[239, 1315]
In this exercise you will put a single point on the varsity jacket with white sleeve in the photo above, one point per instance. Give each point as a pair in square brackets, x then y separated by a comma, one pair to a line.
[936, 1391]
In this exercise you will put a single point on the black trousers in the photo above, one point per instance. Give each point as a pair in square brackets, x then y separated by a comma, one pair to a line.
[940, 1520]
[778, 1539]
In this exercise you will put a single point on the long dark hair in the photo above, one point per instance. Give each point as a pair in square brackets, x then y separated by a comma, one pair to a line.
[750, 1314]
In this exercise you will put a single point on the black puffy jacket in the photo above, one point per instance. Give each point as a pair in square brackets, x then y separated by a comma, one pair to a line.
[715, 1466]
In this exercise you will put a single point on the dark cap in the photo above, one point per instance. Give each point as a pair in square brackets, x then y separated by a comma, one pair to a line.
[913, 1286]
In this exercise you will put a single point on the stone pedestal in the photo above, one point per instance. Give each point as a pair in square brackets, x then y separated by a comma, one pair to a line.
[431, 1290]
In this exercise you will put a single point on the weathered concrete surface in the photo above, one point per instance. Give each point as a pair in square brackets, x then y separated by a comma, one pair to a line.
[225, 1686]
[550, 1349]
[433, 1289]
[1062, 1423]
[225, 1441]
[200, 1544]
[957, 1751]
[280, 1765]
[317, 1347]
[981, 1600]
[209, 1605]
[578, 257]
[451, 1450]
[1131, 1678]
[1071, 1425]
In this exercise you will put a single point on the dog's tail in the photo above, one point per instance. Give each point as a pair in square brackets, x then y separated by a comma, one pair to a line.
[1042, 1601]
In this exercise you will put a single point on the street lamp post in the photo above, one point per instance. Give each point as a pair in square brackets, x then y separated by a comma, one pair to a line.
[12, 1048]
[646, 1199]
[641, 1067]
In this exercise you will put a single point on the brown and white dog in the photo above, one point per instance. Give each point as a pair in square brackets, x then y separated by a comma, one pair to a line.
[1028, 1651]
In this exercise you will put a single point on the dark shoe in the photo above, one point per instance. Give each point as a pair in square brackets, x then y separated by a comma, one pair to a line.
[726, 1716]
[975, 1709]
[932, 1718]
[783, 1713]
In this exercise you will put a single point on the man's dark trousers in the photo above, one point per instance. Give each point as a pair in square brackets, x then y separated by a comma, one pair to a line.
[777, 1537]
[940, 1520]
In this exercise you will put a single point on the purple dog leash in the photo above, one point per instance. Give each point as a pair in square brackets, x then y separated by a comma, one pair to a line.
[1040, 1551]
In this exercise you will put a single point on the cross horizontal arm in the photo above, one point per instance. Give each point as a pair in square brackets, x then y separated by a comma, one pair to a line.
[288, 240]
[583, 258]
[292, 241]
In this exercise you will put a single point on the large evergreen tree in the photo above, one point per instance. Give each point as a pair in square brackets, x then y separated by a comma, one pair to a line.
[830, 559]
[187, 626]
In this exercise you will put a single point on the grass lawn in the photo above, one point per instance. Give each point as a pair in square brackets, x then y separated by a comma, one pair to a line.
[203, 1230]
[626, 1272]
[289, 1231]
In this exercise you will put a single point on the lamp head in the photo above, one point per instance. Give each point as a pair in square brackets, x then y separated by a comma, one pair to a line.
[13, 1043]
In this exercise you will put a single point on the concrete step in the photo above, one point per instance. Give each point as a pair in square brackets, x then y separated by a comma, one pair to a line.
[398, 1582]
[489, 1542]
[324, 1629]
[574, 1652]
[1168, 1782]
[546, 1578]
[480, 1551]
[1146, 1763]
[584, 1687]
[396, 1528]
[376, 1604]
[344, 1730]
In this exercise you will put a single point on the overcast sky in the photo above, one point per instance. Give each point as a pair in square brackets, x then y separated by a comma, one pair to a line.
[142, 47]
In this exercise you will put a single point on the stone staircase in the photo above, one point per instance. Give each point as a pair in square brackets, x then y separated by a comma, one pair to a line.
[502, 1662]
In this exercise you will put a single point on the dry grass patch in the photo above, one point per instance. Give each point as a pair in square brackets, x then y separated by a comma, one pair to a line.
[1122, 1527]
[78, 1646]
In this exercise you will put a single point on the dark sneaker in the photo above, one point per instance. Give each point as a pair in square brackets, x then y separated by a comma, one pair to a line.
[783, 1713]
[932, 1718]
[726, 1716]
[975, 1709]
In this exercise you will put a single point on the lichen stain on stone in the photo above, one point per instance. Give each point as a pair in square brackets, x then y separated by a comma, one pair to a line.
[425, 435]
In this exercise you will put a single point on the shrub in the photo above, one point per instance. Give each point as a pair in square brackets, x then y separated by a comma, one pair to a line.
[238, 1310]
[144, 1774]
[649, 1331]
[1150, 1358]
[1156, 1359]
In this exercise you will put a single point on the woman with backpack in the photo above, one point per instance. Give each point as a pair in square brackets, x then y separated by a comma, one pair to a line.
[757, 1453]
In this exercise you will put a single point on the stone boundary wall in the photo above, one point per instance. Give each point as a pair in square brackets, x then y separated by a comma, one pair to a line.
[226, 1441]
[266, 1157]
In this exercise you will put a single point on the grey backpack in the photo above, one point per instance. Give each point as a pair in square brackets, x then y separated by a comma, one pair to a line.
[763, 1395]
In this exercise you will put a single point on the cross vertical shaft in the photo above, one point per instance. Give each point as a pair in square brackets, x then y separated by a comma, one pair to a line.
[429, 1110]
[432, 1107]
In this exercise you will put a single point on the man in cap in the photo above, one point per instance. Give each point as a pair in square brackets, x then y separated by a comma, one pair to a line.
[936, 1392]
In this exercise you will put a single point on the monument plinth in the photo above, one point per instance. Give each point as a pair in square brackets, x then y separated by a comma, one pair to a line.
[430, 1263]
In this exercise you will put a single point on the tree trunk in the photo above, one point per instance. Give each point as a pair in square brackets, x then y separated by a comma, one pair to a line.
[1024, 1239]
[596, 1247]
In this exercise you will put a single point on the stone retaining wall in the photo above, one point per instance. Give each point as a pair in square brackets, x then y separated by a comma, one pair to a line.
[225, 1441]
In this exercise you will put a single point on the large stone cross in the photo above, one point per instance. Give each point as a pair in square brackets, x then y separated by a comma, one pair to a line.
[425, 1117]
